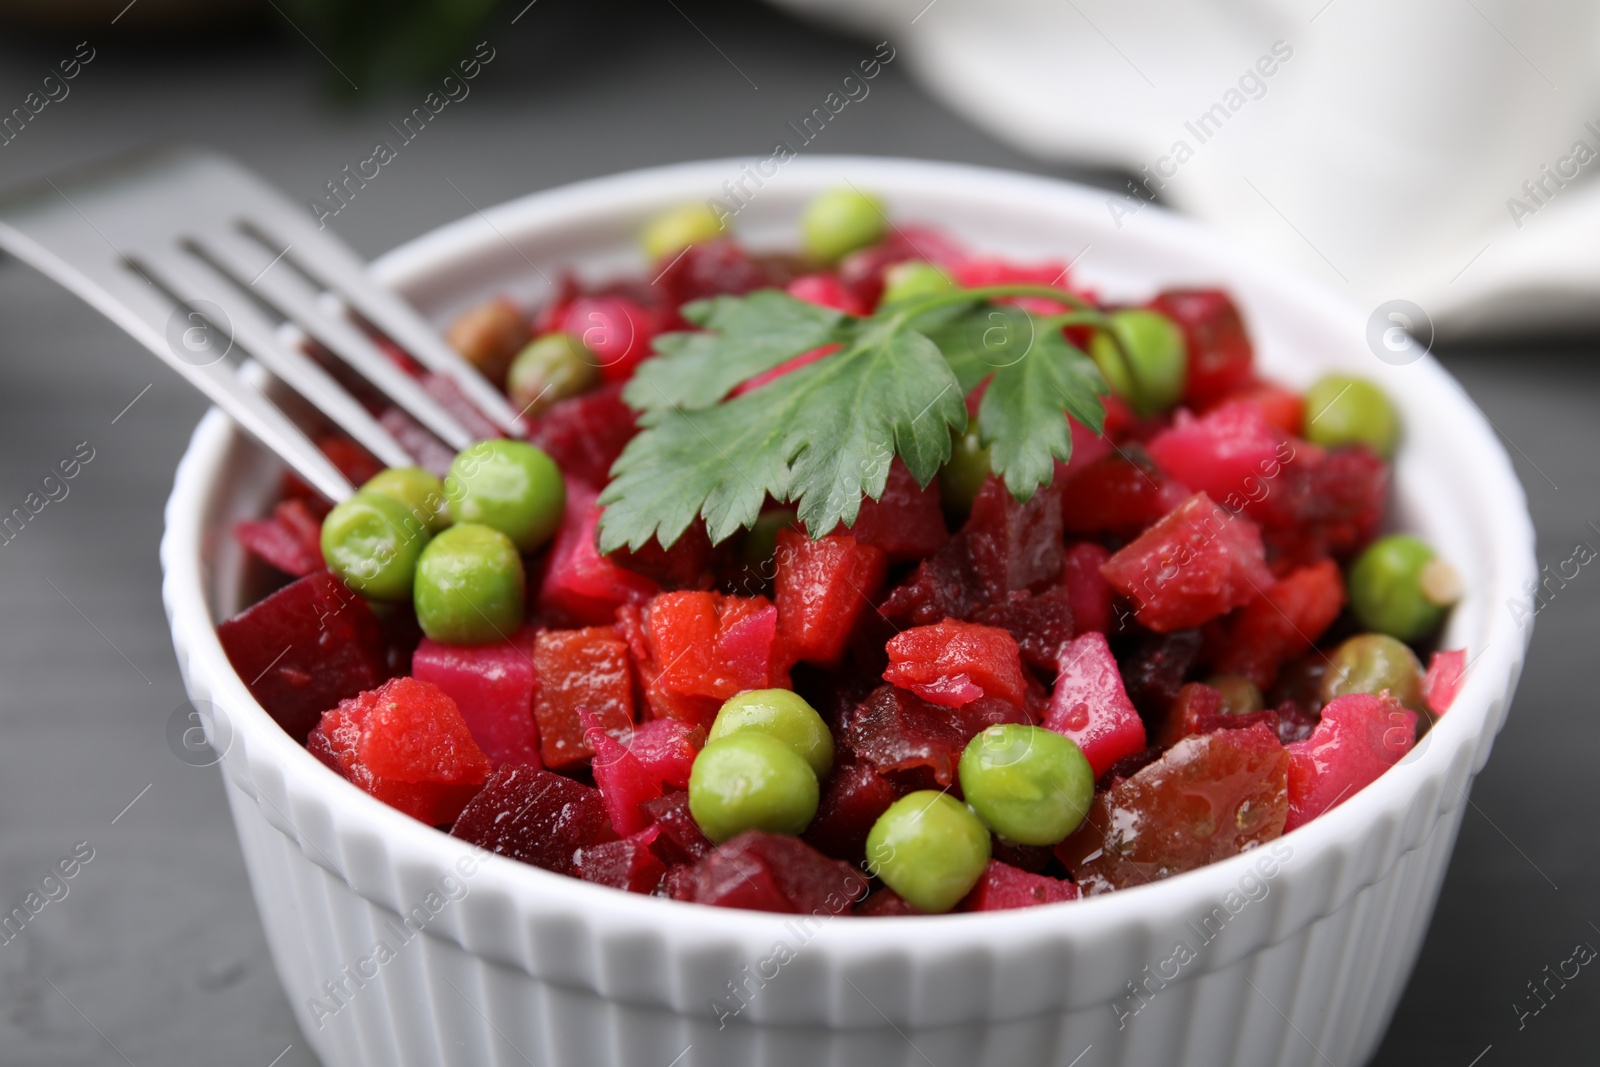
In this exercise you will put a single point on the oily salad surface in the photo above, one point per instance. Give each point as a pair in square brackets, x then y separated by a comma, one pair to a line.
[880, 578]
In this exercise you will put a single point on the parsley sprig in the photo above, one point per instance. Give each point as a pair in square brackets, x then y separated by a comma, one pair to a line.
[823, 436]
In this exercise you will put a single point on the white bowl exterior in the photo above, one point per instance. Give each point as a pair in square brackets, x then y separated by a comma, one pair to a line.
[532, 965]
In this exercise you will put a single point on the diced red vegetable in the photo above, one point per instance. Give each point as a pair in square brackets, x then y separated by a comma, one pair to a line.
[1088, 592]
[666, 749]
[581, 584]
[689, 564]
[1324, 503]
[906, 521]
[900, 733]
[406, 744]
[680, 840]
[1197, 709]
[1230, 453]
[617, 330]
[1155, 667]
[448, 393]
[1220, 356]
[1090, 705]
[946, 585]
[580, 670]
[1121, 493]
[1282, 622]
[1014, 545]
[494, 687]
[1440, 685]
[1359, 737]
[821, 588]
[304, 648]
[291, 540]
[1284, 409]
[885, 902]
[628, 864]
[1196, 563]
[1004, 886]
[1209, 797]
[853, 797]
[535, 816]
[772, 872]
[585, 434]
[624, 783]
[711, 645]
[825, 290]
[1040, 624]
[709, 268]
[952, 663]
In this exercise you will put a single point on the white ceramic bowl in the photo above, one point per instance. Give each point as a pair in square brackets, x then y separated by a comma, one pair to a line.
[1294, 954]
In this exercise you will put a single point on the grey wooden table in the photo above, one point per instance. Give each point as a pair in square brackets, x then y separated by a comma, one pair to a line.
[153, 955]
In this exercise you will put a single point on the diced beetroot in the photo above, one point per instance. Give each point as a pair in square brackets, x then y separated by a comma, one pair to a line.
[900, 733]
[972, 272]
[1443, 680]
[1295, 723]
[1155, 666]
[1220, 357]
[406, 744]
[1088, 592]
[585, 434]
[1040, 624]
[401, 636]
[688, 564]
[666, 749]
[853, 797]
[906, 521]
[952, 663]
[617, 330]
[1014, 545]
[1230, 453]
[681, 840]
[1088, 448]
[430, 453]
[580, 670]
[1281, 623]
[1196, 563]
[303, 649]
[1360, 736]
[1090, 706]
[1197, 709]
[1121, 493]
[711, 645]
[825, 290]
[1324, 503]
[693, 712]
[494, 686]
[1284, 409]
[885, 902]
[581, 584]
[628, 864]
[1209, 797]
[822, 587]
[444, 389]
[709, 268]
[945, 585]
[291, 540]
[788, 366]
[759, 871]
[624, 783]
[535, 816]
[351, 459]
[1031, 858]
[1004, 886]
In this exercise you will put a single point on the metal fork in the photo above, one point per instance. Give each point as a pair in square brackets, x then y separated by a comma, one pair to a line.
[192, 255]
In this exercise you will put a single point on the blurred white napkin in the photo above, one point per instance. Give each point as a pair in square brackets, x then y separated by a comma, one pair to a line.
[1382, 146]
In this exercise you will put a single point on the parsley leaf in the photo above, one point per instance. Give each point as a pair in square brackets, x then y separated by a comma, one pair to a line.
[1020, 418]
[824, 435]
[748, 335]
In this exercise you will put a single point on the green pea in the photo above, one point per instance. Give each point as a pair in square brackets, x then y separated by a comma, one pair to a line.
[1031, 785]
[420, 491]
[761, 543]
[963, 474]
[840, 221]
[751, 781]
[1371, 663]
[510, 486]
[782, 714]
[913, 280]
[929, 848]
[551, 368]
[372, 542]
[1399, 586]
[1341, 410]
[672, 231]
[1240, 696]
[1155, 346]
[469, 586]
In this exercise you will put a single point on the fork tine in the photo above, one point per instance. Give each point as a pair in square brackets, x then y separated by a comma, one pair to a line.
[332, 265]
[190, 279]
[238, 258]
